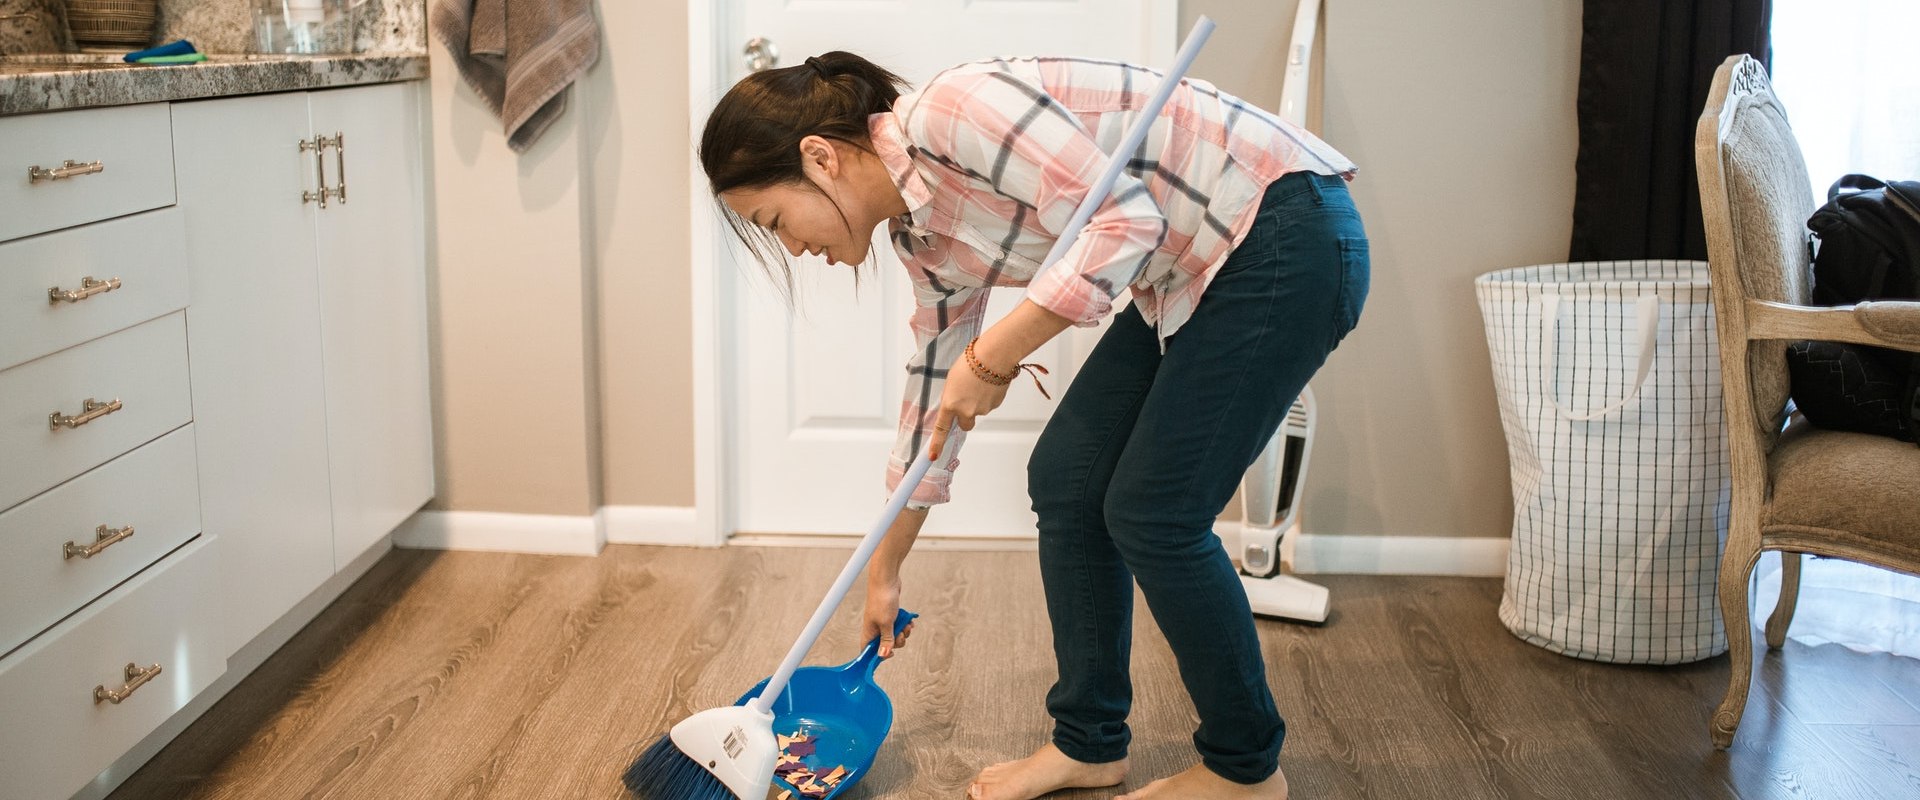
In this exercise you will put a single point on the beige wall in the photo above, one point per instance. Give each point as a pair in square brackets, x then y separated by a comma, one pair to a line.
[560, 286]
[512, 384]
[1461, 116]
[637, 146]
[573, 313]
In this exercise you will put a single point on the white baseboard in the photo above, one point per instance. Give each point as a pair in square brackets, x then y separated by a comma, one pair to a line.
[672, 525]
[1351, 554]
[849, 541]
[1454, 556]
[1323, 554]
[551, 534]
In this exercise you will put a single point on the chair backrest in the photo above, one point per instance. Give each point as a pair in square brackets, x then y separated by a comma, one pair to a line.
[1756, 199]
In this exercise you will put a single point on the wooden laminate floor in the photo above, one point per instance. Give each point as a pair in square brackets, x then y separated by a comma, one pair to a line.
[479, 675]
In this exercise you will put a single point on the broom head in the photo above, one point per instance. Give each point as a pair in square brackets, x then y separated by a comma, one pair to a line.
[717, 754]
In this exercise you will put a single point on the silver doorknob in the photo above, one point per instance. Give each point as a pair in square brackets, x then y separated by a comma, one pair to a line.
[761, 54]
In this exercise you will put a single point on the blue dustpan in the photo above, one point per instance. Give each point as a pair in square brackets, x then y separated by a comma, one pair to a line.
[841, 708]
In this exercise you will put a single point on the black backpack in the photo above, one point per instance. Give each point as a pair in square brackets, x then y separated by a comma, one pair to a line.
[1868, 249]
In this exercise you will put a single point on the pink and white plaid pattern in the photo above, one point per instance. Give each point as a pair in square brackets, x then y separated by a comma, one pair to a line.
[993, 157]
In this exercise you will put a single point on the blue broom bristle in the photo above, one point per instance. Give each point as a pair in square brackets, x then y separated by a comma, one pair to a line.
[665, 773]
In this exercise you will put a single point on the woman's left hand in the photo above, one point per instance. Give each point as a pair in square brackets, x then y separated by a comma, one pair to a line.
[962, 403]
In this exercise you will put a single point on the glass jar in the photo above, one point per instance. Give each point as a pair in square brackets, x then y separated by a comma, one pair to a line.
[303, 27]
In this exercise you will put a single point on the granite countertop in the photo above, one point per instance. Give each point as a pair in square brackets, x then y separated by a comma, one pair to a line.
[32, 83]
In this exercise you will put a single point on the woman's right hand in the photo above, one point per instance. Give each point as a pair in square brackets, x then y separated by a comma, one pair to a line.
[883, 606]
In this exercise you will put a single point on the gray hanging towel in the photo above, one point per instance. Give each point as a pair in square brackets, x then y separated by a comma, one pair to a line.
[520, 55]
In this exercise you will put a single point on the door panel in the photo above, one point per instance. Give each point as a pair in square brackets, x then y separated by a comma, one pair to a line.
[816, 391]
[373, 313]
[253, 336]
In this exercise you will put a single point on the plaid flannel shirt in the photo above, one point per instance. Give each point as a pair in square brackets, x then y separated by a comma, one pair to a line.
[993, 157]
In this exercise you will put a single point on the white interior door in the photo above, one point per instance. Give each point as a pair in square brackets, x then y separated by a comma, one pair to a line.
[815, 393]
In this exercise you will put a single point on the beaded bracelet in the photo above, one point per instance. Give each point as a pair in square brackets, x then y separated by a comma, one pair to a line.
[996, 379]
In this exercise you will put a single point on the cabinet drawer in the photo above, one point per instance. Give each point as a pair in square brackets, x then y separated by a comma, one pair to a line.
[142, 257]
[143, 367]
[132, 144]
[152, 491]
[57, 736]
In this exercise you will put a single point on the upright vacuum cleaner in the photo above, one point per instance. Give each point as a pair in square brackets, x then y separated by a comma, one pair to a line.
[1270, 496]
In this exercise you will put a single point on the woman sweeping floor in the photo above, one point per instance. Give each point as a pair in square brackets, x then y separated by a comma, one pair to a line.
[1246, 262]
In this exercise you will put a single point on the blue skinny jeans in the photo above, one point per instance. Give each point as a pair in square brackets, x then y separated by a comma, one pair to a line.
[1145, 451]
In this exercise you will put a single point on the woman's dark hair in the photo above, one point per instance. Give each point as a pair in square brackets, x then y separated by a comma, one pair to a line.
[752, 138]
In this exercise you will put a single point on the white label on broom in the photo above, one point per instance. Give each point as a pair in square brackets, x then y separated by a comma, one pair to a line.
[735, 742]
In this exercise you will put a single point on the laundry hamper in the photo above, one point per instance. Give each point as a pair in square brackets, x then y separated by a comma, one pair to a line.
[1609, 385]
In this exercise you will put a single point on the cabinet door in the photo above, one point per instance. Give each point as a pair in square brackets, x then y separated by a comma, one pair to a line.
[253, 334]
[373, 313]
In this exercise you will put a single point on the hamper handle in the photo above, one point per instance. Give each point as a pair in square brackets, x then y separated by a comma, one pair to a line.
[1647, 321]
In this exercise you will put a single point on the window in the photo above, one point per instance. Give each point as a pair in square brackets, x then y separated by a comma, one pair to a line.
[1854, 101]
[1844, 69]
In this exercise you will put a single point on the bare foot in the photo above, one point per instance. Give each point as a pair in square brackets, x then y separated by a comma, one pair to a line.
[1199, 783]
[1047, 770]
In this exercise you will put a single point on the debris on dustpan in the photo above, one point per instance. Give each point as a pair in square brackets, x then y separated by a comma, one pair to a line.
[805, 781]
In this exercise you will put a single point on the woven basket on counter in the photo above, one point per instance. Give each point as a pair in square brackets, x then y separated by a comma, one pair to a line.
[112, 22]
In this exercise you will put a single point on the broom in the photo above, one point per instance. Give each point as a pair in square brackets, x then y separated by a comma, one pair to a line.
[730, 752]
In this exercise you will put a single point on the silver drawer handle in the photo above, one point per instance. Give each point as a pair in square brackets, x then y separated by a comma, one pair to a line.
[71, 169]
[319, 145]
[88, 288]
[89, 411]
[340, 166]
[103, 538]
[136, 678]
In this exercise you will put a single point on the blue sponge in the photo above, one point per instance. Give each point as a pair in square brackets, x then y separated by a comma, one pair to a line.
[177, 48]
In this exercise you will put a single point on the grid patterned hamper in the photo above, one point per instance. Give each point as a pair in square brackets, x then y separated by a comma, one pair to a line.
[1608, 377]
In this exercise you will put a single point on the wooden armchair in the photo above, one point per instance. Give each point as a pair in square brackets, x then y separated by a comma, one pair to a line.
[1801, 489]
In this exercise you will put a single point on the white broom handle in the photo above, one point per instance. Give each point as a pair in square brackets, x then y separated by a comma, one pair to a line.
[842, 584]
[1196, 38]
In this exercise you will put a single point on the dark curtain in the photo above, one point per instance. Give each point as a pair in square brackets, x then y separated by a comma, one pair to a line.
[1645, 67]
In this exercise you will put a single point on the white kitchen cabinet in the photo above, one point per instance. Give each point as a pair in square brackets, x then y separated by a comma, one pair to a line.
[66, 547]
[100, 289]
[234, 350]
[107, 625]
[71, 411]
[373, 313]
[79, 695]
[83, 165]
[307, 330]
[253, 338]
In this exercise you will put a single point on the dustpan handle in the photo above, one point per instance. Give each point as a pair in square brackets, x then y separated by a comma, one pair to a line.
[869, 659]
[778, 683]
[1096, 195]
